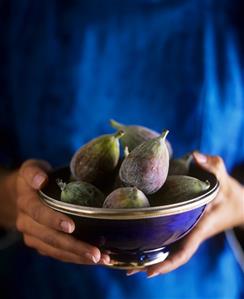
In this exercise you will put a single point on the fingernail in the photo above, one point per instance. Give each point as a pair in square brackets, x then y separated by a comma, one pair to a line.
[200, 157]
[132, 272]
[67, 227]
[152, 275]
[93, 258]
[38, 180]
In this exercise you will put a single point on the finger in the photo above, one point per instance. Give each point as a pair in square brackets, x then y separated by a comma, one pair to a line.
[134, 271]
[34, 172]
[205, 228]
[32, 206]
[214, 164]
[57, 239]
[105, 259]
[56, 253]
[177, 258]
[181, 254]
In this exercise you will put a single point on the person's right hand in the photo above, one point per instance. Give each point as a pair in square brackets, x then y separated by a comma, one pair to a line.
[43, 229]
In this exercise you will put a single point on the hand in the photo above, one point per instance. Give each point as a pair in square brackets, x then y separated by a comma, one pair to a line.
[224, 212]
[43, 229]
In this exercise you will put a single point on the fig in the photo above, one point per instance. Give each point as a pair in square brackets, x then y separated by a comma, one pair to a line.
[80, 193]
[135, 135]
[96, 159]
[117, 182]
[126, 151]
[180, 166]
[178, 188]
[125, 198]
[146, 167]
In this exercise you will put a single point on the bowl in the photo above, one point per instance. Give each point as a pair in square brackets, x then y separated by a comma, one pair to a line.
[134, 238]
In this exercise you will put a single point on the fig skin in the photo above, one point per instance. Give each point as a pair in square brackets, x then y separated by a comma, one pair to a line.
[96, 159]
[81, 193]
[136, 135]
[126, 198]
[146, 167]
[180, 166]
[178, 188]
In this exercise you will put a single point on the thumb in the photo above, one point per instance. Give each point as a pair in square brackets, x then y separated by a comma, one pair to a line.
[214, 164]
[34, 172]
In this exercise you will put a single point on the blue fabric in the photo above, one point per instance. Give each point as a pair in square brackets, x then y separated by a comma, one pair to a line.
[67, 67]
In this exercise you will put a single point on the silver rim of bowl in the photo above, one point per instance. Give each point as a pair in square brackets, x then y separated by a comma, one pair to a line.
[124, 214]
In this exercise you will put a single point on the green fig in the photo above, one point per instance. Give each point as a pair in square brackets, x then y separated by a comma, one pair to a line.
[146, 167]
[96, 159]
[135, 135]
[125, 198]
[180, 166]
[178, 188]
[81, 193]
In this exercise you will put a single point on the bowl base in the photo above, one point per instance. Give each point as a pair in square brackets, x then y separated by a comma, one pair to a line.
[129, 261]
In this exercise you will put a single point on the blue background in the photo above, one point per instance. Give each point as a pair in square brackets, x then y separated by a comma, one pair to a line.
[67, 67]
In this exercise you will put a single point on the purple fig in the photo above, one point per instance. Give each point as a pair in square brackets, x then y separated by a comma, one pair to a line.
[80, 193]
[135, 135]
[97, 158]
[125, 198]
[117, 182]
[178, 188]
[146, 167]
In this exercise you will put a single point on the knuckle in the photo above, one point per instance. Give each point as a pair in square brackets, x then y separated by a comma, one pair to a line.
[21, 202]
[50, 239]
[25, 166]
[30, 169]
[33, 164]
[51, 219]
[19, 224]
[183, 257]
[35, 212]
[218, 161]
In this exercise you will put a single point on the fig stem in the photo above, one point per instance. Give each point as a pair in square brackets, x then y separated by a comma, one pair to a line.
[135, 189]
[164, 134]
[119, 134]
[207, 184]
[126, 151]
[61, 184]
[189, 159]
[115, 124]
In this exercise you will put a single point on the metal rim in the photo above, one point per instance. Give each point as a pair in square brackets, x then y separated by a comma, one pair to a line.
[124, 214]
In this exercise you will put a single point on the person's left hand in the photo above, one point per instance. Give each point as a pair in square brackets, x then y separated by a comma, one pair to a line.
[224, 212]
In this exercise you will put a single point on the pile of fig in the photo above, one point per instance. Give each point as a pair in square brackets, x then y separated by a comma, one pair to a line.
[140, 175]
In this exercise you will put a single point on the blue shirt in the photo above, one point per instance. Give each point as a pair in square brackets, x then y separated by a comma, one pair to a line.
[68, 67]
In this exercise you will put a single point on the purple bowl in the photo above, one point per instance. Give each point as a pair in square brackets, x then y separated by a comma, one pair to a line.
[135, 238]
